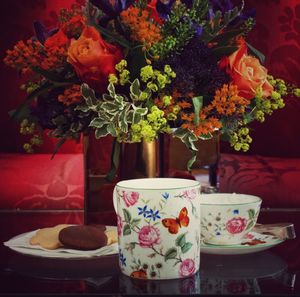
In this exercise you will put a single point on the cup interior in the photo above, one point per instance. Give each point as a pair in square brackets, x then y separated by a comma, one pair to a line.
[228, 199]
[158, 183]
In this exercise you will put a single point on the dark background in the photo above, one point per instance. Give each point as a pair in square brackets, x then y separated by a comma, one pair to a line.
[277, 35]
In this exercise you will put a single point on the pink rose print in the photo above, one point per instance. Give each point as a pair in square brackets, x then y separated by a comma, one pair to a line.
[120, 225]
[190, 194]
[149, 236]
[130, 198]
[236, 225]
[187, 267]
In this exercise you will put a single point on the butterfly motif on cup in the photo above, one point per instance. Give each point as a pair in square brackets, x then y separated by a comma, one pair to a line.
[173, 225]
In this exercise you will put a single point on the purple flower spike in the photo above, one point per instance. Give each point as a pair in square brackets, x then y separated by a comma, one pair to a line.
[41, 33]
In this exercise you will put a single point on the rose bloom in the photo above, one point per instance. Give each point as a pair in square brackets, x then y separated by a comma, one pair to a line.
[247, 73]
[93, 58]
[236, 225]
[59, 39]
[190, 194]
[187, 267]
[149, 236]
[130, 198]
[119, 225]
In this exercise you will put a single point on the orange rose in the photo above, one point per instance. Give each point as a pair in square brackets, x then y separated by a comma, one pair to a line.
[93, 58]
[59, 39]
[247, 73]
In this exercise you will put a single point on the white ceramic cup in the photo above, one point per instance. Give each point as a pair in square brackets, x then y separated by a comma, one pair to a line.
[227, 218]
[158, 227]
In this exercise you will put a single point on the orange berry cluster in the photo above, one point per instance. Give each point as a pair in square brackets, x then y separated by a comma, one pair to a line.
[227, 101]
[205, 127]
[71, 95]
[25, 55]
[142, 28]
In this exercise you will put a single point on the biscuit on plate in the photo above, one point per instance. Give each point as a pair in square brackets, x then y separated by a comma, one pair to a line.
[48, 237]
[84, 237]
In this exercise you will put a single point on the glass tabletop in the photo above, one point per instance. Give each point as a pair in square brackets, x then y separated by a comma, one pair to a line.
[275, 271]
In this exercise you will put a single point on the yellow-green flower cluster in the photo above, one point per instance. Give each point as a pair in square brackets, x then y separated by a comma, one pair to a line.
[267, 105]
[124, 74]
[241, 139]
[29, 87]
[155, 79]
[296, 92]
[27, 128]
[149, 128]
[279, 85]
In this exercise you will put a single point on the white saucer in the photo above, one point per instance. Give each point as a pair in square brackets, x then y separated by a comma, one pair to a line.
[20, 244]
[255, 242]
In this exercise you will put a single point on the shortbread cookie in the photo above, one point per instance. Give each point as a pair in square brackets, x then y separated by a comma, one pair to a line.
[112, 236]
[48, 237]
[84, 237]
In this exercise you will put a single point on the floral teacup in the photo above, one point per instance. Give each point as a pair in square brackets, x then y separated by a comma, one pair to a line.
[158, 227]
[227, 218]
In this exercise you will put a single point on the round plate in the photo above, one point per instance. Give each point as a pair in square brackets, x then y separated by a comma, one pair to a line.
[253, 243]
[20, 244]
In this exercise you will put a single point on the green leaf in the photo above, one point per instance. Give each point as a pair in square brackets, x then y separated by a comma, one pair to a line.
[110, 107]
[126, 230]
[135, 222]
[114, 161]
[224, 50]
[53, 75]
[225, 37]
[250, 225]
[186, 247]
[114, 37]
[23, 112]
[122, 121]
[97, 123]
[192, 160]
[88, 94]
[101, 132]
[257, 53]
[135, 90]
[251, 213]
[127, 215]
[58, 146]
[198, 103]
[180, 240]
[171, 254]
[112, 91]
[111, 130]
[140, 110]
[136, 118]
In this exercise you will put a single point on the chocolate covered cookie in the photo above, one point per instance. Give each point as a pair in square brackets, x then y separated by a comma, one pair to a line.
[83, 237]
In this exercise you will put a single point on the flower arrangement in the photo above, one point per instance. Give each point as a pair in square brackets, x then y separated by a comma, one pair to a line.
[134, 69]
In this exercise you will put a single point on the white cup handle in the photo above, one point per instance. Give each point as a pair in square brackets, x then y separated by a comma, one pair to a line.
[115, 202]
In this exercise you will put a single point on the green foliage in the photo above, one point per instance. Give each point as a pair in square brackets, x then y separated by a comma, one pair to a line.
[170, 254]
[179, 28]
[219, 22]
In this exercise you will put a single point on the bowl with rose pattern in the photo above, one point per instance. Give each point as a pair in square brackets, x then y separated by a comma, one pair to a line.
[226, 218]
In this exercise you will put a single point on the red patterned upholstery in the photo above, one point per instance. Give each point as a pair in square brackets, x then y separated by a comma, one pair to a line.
[275, 180]
[37, 182]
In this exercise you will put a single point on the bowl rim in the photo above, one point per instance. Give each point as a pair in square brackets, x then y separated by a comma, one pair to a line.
[257, 201]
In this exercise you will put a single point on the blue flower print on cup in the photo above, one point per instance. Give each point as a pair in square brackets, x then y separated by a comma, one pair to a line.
[122, 259]
[166, 195]
[153, 215]
[236, 211]
[143, 211]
